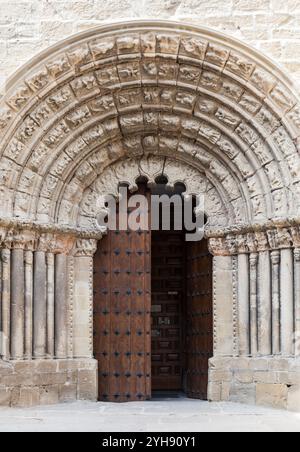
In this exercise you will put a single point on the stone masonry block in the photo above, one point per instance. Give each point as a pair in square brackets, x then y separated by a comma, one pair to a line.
[242, 393]
[214, 392]
[220, 376]
[28, 397]
[87, 385]
[5, 396]
[272, 395]
[67, 392]
[45, 366]
[49, 395]
[294, 398]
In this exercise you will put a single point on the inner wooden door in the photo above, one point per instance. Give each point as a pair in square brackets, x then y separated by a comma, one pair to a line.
[168, 296]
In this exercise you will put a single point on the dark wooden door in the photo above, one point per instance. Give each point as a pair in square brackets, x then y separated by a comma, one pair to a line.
[168, 290]
[122, 315]
[199, 319]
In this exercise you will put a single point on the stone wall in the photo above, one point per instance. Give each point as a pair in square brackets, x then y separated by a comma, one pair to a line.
[273, 382]
[46, 382]
[28, 26]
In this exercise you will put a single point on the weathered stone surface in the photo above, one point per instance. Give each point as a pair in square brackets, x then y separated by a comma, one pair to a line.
[5, 396]
[293, 402]
[50, 22]
[29, 396]
[87, 385]
[214, 392]
[272, 395]
[43, 382]
[192, 105]
[242, 393]
[49, 395]
[67, 392]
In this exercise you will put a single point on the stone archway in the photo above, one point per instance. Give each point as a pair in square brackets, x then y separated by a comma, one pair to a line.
[73, 122]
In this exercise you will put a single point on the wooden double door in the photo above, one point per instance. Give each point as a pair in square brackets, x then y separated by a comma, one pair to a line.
[153, 328]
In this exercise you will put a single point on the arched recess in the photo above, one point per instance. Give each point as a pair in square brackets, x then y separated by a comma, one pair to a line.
[111, 100]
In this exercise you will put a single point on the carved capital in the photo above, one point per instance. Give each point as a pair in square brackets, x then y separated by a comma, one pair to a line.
[252, 242]
[295, 233]
[5, 256]
[25, 240]
[231, 244]
[85, 248]
[242, 245]
[262, 241]
[280, 238]
[55, 243]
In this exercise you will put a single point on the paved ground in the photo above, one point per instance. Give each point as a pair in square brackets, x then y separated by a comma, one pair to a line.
[158, 416]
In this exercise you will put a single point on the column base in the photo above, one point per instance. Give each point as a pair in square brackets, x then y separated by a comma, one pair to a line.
[46, 382]
[268, 381]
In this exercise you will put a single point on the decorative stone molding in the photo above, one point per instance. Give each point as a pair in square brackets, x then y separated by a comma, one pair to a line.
[255, 242]
[148, 99]
[31, 240]
[55, 244]
[171, 90]
[85, 248]
[151, 167]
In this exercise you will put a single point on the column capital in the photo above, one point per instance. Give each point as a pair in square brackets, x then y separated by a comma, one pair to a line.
[217, 246]
[5, 255]
[55, 243]
[85, 248]
[23, 240]
[280, 238]
[257, 240]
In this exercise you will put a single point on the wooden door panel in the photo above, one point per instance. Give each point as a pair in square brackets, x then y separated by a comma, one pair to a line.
[122, 305]
[167, 304]
[199, 319]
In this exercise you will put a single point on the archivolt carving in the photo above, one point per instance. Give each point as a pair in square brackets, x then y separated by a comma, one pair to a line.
[151, 167]
[122, 93]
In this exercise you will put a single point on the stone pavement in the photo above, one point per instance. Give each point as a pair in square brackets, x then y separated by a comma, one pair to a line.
[170, 415]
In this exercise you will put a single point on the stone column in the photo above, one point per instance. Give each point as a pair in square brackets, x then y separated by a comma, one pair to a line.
[70, 298]
[275, 259]
[264, 304]
[253, 303]
[297, 301]
[287, 301]
[28, 259]
[243, 301]
[223, 306]
[83, 299]
[17, 304]
[5, 295]
[50, 304]
[40, 305]
[61, 317]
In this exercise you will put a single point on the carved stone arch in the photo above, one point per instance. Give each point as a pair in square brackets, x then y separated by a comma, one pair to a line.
[143, 98]
[151, 167]
[162, 77]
